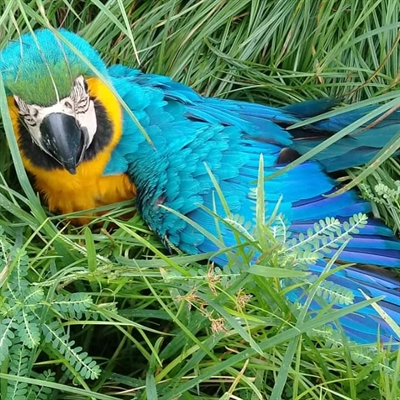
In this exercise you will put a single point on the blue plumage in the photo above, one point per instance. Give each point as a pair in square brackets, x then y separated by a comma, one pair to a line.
[229, 136]
[191, 133]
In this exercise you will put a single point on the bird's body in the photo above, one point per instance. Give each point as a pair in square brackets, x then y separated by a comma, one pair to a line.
[96, 154]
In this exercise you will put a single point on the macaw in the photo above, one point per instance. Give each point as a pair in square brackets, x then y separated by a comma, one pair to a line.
[84, 149]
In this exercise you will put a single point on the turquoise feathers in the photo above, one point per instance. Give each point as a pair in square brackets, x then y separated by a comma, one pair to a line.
[192, 135]
[33, 67]
[190, 132]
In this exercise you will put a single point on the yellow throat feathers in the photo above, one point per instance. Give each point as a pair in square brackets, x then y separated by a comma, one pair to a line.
[88, 188]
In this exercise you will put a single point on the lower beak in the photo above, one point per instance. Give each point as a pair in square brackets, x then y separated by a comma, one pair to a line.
[63, 140]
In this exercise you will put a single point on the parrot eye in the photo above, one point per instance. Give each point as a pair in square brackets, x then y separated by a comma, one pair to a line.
[30, 120]
[68, 105]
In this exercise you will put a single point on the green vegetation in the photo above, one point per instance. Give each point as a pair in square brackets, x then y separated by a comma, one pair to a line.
[106, 313]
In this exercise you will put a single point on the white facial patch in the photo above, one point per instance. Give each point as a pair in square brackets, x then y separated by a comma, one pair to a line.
[78, 105]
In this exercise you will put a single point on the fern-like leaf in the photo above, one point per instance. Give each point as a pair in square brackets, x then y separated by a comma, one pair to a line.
[41, 392]
[28, 330]
[18, 367]
[73, 305]
[7, 327]
[335, 294]
[79, 360]
[238, 223]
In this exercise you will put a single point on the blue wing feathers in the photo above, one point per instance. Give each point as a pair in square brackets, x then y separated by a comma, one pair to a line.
[363, 326]
[190, 132]
[311, 108]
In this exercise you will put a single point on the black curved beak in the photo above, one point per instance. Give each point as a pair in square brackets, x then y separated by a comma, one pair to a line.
[64, 140]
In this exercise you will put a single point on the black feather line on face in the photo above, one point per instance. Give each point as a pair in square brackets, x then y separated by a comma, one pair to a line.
[41, 159]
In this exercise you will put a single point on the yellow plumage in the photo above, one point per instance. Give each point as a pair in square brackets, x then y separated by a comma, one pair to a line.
[66, 193]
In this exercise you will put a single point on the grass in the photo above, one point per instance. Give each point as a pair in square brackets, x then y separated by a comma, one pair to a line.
[107, 314]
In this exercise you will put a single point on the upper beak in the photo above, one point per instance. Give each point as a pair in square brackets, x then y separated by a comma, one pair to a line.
[64, 140]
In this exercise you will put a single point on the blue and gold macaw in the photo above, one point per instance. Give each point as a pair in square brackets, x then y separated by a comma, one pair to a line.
[84, 150]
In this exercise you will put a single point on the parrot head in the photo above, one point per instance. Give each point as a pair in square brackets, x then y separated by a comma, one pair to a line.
[50, 88]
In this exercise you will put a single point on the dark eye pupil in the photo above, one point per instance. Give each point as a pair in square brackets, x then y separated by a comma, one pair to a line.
[68, 104]
[35, 113]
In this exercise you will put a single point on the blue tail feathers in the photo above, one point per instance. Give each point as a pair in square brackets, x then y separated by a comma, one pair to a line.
[353, 150]
[228, 136]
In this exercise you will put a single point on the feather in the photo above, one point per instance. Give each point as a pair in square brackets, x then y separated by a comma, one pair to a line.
[192, 135]
[228, 137]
